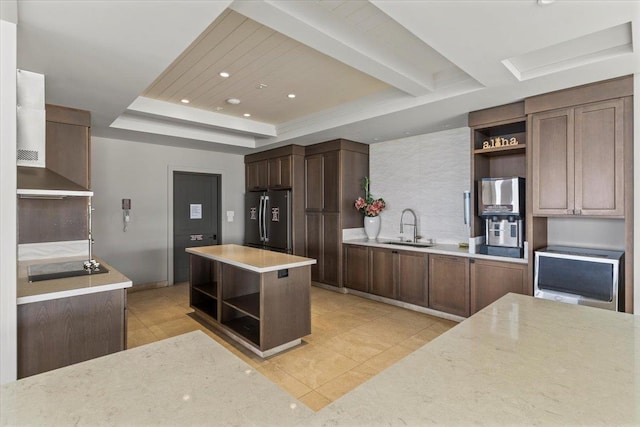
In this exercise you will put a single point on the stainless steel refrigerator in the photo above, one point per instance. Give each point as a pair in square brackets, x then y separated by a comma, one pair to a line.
[267, 223]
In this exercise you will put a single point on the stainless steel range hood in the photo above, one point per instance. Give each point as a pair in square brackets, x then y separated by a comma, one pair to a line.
[34, 179]
[42, 182]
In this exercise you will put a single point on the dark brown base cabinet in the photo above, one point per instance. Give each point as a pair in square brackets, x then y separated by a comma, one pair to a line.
[388, 273]
[382, 265]
[449, 284]
[490, 280]
[64, 331]
[452, 284]
[356, 271]
[412, 278]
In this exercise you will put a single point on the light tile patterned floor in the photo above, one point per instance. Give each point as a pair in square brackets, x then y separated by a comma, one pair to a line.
[352, 339]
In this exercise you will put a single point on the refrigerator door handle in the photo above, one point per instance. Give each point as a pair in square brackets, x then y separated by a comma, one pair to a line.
[260, 219]
[264, 218]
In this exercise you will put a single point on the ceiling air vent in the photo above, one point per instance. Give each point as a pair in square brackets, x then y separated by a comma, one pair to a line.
[31, 119]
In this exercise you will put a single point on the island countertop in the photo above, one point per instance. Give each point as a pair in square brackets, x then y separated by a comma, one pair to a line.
[253, 259]
[519, 361]
[28, 292]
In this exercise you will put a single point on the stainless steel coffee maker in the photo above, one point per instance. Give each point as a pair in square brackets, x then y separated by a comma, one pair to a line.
[501, 204]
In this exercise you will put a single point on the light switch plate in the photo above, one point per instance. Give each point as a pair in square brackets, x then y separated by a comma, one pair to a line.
[230, 215]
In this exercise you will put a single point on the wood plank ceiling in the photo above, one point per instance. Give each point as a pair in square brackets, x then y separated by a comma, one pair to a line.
[254, 54]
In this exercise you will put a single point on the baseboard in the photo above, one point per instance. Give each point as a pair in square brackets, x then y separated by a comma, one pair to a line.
[147, 286]
[330, 287]
[406, 305]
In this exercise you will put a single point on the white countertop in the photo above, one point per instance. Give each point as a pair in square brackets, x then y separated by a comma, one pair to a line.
[253, 259]
[442, 249]
[29, 292]
[519, 361]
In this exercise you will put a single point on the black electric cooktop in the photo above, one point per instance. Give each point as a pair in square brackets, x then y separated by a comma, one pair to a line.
[60, 270]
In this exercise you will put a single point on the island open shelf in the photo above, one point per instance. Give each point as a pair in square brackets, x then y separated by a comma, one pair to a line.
[259, 298]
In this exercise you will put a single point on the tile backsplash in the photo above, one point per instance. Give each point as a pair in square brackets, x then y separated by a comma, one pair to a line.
[427, 173]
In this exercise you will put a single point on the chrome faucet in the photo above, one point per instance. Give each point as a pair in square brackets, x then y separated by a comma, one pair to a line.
[414, 225]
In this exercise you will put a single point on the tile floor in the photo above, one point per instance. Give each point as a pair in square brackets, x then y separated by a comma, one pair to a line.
[352, 339]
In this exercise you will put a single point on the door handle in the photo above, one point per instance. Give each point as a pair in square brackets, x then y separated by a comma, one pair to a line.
[264, 218]
[260, 214]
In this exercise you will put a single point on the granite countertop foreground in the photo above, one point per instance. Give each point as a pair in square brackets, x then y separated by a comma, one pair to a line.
[519, 361]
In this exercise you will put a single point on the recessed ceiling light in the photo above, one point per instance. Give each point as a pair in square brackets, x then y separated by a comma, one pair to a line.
[544, 2]
[291, 95]
[184, 101]
[224, 74]
[247, 115]
[262, 86]
[233, 101]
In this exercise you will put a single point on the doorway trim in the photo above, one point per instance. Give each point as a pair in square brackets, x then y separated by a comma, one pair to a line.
[187, 169]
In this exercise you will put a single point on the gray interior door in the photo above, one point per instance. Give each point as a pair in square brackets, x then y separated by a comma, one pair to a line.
[196, 217]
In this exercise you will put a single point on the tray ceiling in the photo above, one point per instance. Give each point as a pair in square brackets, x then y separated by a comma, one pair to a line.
[363, 70]
[265, 67]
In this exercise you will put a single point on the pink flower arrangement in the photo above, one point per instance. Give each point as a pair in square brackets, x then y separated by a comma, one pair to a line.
[367, 204]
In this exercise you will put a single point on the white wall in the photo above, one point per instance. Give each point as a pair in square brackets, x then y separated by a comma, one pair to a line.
[8, 319]
[636, 194]
[141, 172]
[427, 173]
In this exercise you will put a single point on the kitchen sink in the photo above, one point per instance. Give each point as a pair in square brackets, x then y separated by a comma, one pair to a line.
[412, 244]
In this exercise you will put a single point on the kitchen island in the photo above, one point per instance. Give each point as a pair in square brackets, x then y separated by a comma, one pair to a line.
[519, 361]
[259, 298]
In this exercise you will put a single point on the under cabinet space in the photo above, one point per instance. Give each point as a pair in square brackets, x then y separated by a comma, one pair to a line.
[203, 295]
[241, 291]
[205, 304]
[247, 304]
[209, 289]
[242, 324]
[237, 282]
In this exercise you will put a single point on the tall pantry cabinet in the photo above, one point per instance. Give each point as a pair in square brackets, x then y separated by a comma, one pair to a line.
[582, 158]
[334, 172]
